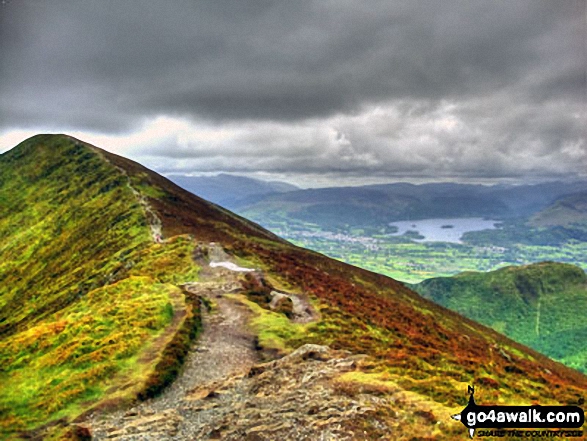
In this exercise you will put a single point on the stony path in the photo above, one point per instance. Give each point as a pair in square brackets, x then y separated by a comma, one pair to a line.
[224, 349]
[294, 398]
[224, 393]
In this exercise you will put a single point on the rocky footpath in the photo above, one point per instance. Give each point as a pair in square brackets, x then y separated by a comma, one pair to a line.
[224, 392]
[296, 397]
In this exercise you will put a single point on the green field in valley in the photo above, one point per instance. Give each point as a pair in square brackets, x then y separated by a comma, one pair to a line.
[404, 259]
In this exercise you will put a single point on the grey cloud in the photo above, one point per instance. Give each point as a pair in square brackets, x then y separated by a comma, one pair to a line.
[268, 60]
[465, 87]
[439, 142]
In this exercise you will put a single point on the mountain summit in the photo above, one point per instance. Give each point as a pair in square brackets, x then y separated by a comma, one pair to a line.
[132, 309]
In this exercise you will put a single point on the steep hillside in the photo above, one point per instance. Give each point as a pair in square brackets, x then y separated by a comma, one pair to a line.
[103, 266]
[85, 292]
[541, 305]
[565, 211]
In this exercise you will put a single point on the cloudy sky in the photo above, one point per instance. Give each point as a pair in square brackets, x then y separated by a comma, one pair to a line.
[313, 92]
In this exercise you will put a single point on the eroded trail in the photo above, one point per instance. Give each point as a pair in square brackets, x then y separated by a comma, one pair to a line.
[151, 216]
[223, 392]
[224, 349]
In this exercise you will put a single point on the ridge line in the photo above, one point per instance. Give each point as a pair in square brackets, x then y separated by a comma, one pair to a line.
[153, 220]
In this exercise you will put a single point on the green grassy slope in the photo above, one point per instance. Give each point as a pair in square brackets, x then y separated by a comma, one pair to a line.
[83, 288]
[67, 217]
[540, 305]
[423, 355]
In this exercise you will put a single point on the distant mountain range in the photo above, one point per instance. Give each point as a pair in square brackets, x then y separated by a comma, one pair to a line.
[566, 210]
[229, 190]
[380, 204]
[375, 205]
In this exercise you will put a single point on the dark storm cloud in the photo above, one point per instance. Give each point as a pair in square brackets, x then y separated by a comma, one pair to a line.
[273, 60]
[466, 86]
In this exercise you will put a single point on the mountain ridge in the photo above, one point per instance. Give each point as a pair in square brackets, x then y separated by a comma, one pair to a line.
[383, 203]
[412, 344]
[566, 210]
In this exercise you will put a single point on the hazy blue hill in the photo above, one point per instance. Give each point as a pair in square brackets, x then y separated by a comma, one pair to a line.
[541, 305]
[227, 190]
[332, 207]
[525, 200]
[564, 211]
[375, 204]
[379, 204]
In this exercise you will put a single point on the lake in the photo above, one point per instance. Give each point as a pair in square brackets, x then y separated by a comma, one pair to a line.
[444, 230]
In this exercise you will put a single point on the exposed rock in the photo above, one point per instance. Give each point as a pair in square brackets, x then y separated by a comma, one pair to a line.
[293, 398]
[216, 253]
[294, 306]
[162, 425]
[222, 394]
[281, 303]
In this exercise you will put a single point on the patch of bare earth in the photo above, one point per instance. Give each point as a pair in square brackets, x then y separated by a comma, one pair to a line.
[297, 397]
[223, 392]
[224, 348]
